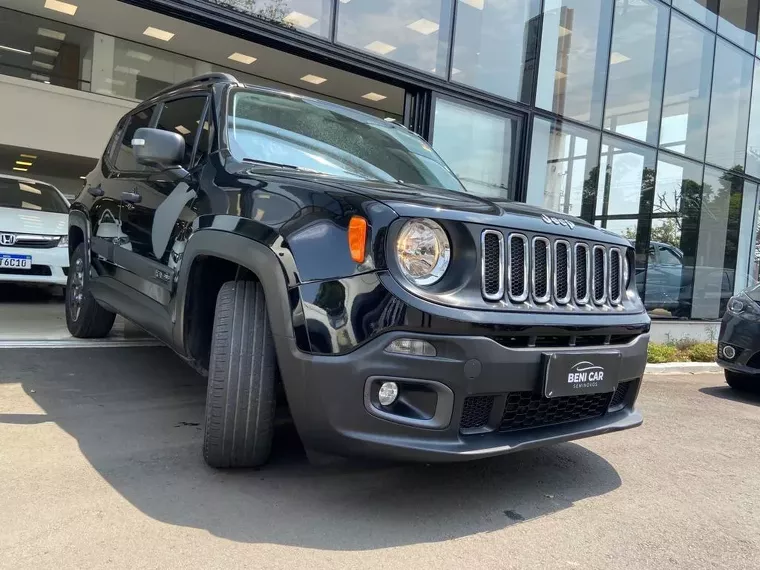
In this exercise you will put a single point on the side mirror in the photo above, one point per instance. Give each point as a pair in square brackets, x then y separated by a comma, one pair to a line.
[154, 147]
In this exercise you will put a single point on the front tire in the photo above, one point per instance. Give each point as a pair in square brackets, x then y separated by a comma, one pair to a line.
[742, 382]
[84, 317]
[240, 402]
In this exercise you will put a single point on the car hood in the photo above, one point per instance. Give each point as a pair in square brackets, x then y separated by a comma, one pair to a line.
[409, 200]
[22, 221]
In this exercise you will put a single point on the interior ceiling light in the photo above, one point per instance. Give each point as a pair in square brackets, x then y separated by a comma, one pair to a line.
[423, 26]
[43, 65]
[63, 7]
[372, 96]
[117, 82]
[242, 58]
[82, 178]
[183, 130]
[45, 51]
[380, 47]
[345, 1]
[157, 33]
[52, 34]
[23, 163]
[300, 20]
[617, 57]
[20, 169]
[315, 79]
[32, 156]
[39, 77]
[479, 4]
[30, 189]
[127, 70]
[15, 50]
[139, 55]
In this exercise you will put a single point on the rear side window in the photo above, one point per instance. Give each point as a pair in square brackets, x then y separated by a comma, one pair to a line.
[184, 116]
[125, 159]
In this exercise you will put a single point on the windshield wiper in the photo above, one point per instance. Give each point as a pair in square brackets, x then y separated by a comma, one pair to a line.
[258, 162]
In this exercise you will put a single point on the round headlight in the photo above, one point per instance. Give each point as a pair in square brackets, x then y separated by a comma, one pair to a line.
[735, 305]
[423, 251]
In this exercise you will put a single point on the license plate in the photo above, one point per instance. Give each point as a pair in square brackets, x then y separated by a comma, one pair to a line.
[8, 261]
[574, 374]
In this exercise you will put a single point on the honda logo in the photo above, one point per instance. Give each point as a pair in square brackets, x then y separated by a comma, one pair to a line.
[7, 239]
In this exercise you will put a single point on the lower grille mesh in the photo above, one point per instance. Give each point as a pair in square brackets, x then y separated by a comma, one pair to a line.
[476, 411]
[620, 395]
[530, 410]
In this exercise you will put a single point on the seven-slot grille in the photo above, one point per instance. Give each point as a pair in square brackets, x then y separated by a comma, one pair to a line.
[542, 269]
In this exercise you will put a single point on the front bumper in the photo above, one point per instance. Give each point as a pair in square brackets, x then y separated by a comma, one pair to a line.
[331, 403]
[744, 336]
[49, 266]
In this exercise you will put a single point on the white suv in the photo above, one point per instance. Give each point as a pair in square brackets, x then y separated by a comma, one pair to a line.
[33, 232]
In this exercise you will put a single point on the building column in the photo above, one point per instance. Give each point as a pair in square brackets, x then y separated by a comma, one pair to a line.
[103, 52]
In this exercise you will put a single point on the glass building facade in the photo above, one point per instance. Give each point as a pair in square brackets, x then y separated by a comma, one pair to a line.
[640, 116]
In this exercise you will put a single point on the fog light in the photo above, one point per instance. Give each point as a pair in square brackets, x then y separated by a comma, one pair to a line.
[729, 352]
[388, 393]
[413, 346]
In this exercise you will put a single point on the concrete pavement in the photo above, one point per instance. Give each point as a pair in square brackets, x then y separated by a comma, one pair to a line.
[100, 466]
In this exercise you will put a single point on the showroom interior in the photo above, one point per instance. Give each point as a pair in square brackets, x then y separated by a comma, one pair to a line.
[640, 116]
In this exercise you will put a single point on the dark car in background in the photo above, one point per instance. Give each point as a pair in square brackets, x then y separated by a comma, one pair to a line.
[301, 253]
[739, 341]
[670, 282]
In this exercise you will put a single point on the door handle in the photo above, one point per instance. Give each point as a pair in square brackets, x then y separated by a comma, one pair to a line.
[96, 191]
[131, 197]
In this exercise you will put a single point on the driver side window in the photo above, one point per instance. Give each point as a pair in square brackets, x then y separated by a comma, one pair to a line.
[184, 116]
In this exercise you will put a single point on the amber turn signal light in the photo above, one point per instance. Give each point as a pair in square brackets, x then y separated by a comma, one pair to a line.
[357, 238]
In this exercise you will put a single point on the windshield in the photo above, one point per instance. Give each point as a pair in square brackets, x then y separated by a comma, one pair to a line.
[286, 130]
[28, 195]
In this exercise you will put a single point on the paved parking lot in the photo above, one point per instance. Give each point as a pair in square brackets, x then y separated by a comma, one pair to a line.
[100, 467]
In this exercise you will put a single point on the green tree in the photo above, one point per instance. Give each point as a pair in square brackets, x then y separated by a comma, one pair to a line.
[272, 10]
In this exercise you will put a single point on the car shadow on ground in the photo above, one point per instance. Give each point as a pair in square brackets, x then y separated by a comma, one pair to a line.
[36, 294]
[137, 416]
[728, 393]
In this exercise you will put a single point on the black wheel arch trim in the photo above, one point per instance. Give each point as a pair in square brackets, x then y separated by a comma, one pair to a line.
[79, 219]
[250, 254]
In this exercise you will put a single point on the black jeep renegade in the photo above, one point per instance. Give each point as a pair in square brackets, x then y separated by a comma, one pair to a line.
[303, 253]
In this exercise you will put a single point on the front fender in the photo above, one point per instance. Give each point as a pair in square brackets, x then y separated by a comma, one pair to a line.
[255, 256]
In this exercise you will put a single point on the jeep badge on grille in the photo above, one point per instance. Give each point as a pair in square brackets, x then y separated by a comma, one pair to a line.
[557, 221]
